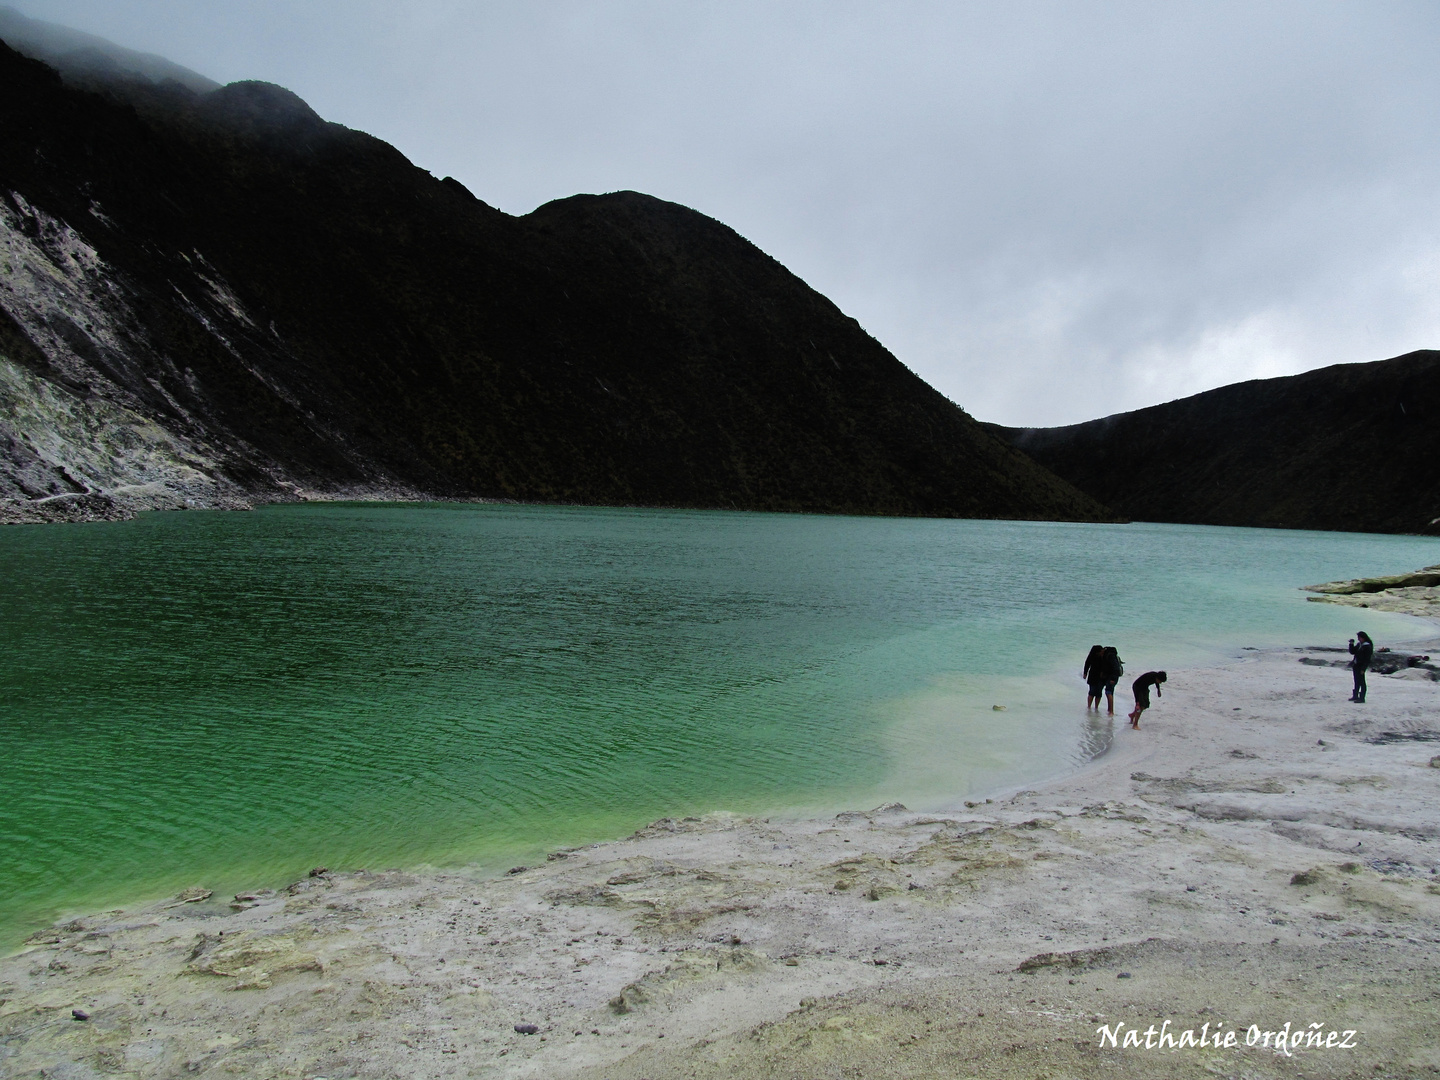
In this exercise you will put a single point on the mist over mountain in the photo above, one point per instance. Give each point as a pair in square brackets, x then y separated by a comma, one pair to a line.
[82, 57]
[1351, 447]
[213, 297]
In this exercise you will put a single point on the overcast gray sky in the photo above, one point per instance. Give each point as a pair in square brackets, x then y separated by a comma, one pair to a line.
[1050, 211]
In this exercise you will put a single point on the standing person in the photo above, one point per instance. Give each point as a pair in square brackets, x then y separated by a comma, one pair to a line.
[1142, 694]
[1363, 654]
[1113, 667]
[1094, 676]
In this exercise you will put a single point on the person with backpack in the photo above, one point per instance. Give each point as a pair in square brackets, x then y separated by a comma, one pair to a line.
[1113, 667]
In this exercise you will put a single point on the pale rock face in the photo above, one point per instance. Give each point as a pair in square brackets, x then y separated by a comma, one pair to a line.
[79, 444]
[58, 289]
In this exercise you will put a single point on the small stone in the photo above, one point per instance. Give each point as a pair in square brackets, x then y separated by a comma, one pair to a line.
[1435, 762]
[319, 870]
[997, 708]
[791, 961]
[517, 869]
[79, 1014]
[527, 1029]
[194, 895]
[1124, 975]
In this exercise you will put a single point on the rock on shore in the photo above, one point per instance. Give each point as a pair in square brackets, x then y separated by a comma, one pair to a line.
[1416, 593]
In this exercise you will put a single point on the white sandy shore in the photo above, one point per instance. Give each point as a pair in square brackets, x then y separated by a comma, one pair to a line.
[1157, 884]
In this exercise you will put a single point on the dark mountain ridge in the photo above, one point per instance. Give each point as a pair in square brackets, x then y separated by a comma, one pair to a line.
[1351, 447]
[216, 298]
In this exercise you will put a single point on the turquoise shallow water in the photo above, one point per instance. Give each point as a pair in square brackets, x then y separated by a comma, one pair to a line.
[230, 699]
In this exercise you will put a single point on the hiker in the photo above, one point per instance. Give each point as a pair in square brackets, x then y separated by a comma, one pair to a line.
[1363, 654]
[1142, 694]
[1112, 667]
[1094, 676]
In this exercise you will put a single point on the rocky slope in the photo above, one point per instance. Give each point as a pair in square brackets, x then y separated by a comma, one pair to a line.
[215, 298]
[1351, 447]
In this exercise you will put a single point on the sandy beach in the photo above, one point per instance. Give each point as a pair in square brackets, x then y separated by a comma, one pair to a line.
[1261, 852]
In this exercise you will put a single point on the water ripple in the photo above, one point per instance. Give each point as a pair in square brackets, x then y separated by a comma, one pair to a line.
[235, 697]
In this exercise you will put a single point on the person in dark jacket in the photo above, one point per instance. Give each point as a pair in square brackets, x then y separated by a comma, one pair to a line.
[1113, 667]
[1142, 694]
[1094, 676]
[1363, 653]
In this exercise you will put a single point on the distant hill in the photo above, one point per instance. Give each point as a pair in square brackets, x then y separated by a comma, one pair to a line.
[215, 298]
[1352, 447]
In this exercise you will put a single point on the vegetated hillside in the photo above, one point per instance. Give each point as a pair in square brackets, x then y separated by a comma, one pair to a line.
[213, 298]
[1352, 447]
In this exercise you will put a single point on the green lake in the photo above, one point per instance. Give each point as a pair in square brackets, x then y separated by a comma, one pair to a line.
[229, 699]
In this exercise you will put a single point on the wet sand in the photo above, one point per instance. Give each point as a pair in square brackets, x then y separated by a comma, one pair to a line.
[1261, 851]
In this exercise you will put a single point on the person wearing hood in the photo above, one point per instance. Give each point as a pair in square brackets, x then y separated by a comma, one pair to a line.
[1094, 675]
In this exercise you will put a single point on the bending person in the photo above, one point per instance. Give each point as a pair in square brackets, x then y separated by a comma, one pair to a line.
[1142, 694]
